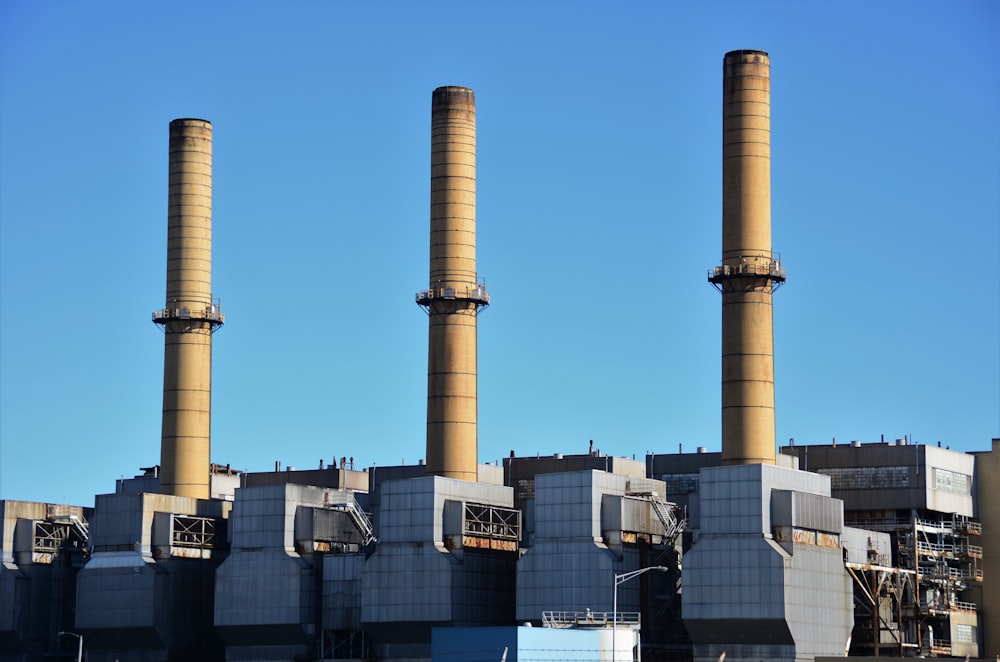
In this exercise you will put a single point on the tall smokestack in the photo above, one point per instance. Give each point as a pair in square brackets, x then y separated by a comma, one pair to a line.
[455, 294]
[190, 315]
[749, 273]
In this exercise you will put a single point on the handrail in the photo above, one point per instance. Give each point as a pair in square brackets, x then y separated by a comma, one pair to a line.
[193, 531]
[566, 619]
[956, 605]
[492, 522]
[210, 313]
[771, 268]
[361, 521]
[474, 292]
[672, 525]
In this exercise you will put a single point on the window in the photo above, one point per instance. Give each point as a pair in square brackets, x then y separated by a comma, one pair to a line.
[867, 478]
[952, 481]
[965, 634]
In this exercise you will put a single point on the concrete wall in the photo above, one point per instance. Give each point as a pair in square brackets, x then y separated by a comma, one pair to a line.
[891, 477]
[958, 465]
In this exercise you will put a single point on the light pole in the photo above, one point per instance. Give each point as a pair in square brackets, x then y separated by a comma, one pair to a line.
[621, 579]
[79, 648]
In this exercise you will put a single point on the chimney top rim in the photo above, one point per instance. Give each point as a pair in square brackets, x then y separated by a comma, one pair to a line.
[745, 51]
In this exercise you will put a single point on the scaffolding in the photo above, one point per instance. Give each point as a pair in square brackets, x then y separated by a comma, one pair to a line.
[344, 645]
[884, 599]
[55, 534]
[192, 531]
[936, 561]
[946, 564]
[491, 527]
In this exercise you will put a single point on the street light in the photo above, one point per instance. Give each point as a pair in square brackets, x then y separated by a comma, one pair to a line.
[79, 649]
[621, 579]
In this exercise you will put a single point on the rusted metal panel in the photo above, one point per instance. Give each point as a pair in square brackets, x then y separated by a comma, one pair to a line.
[41, 558]
[803, 537]
[474, 542]
[190, 553]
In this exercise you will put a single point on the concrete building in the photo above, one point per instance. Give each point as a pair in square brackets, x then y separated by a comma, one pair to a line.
[752, 554]
[922, 496]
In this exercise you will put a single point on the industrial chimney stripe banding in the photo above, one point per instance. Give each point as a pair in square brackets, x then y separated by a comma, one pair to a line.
[455, 294]
[749, 273]
[190, 315]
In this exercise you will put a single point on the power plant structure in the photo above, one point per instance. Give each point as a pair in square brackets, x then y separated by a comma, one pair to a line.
[924, 582]
[748, 554]
[749, 273]
[191, 315]
[791, 598]
[455, 295]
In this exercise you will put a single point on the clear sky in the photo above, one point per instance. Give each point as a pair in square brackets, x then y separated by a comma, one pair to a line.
[599, 213]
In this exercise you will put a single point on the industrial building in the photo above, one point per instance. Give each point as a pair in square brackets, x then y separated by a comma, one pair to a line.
[749, 553]
[928, 589]
[44, 546]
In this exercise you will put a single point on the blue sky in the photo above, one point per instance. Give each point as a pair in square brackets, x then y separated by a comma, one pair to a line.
[599, 213]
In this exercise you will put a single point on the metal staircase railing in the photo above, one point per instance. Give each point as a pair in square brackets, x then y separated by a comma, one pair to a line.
[77, 523]
[666, 513]
[360, 519]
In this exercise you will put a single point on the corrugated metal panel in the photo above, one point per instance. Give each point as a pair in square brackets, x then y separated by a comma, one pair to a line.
[802, 510]
[635, 515]
[335, 526]
[821, 513]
